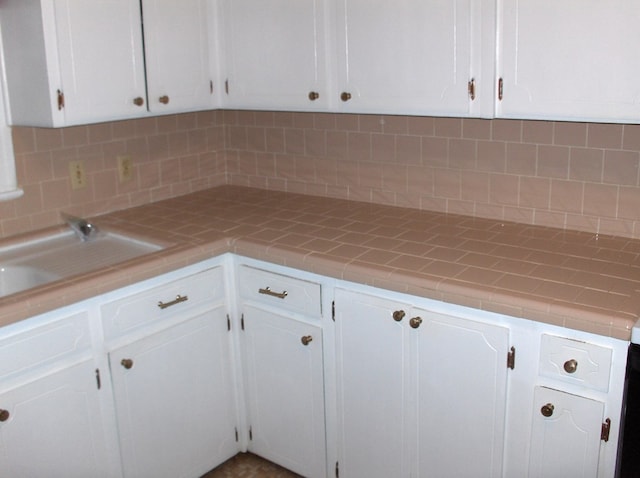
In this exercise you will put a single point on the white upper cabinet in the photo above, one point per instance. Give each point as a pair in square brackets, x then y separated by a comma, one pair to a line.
[74, 62]
[415, 57]
[275, 54]
[178, 44]
[572, 60]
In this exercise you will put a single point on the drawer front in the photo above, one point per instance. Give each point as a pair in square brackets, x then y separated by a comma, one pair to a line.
[575, 362]
[280, 291]
[45, 344]
[150, 306]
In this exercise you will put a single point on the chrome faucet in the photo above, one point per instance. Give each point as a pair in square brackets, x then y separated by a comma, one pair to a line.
[83, 228]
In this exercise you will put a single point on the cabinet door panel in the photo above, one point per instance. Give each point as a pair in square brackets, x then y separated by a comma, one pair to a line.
[55, 427]
[101, 59]
[373, 371]
[175, 404]
[275, 53]
[405, 56]
[177, 54]
[569, 60]
[461, 396]
[567, 443]
[286, 392]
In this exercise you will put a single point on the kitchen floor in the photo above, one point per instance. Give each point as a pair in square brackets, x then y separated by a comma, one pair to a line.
[247, 465]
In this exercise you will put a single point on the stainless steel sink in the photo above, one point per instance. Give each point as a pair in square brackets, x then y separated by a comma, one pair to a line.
[60, 255]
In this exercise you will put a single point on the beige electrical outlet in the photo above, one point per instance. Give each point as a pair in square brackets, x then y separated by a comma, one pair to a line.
[77, 175]
[125, 168]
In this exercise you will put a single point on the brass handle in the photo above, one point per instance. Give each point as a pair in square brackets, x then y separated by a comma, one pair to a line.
[268, 291]
[164, 100]
[415, 322]
[500, 89]
[398, 315]
[547, 410]
[345, 96]
[4, 415]
[570, 366]
[139, 101]
[314, 95]
[306, 339]
[179, 298]
[126, 363]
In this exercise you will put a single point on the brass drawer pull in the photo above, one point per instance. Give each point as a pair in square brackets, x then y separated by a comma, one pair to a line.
[415, 322]
[306, 339]
[268, 291]
[126, 363]
[547, 410]
[138, 101]
[570, 366]
[314, 95]
[398, 315]
[179, 298]
[164, 100]
[4, 415]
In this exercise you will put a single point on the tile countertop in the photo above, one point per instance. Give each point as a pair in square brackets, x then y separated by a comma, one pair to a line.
[567, 278]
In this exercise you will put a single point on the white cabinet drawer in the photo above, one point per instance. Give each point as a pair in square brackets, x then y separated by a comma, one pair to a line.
[44, 344]
[575, 362]
[162, 302]
[284, 292]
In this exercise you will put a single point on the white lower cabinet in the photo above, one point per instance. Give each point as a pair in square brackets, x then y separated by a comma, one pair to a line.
[170, 355]
[566, 435]
[174, 399]
[51, 422]
[54, 426]
[419, 393]
[283, 352]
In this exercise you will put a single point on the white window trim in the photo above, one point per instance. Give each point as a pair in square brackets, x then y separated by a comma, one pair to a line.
[8, 180]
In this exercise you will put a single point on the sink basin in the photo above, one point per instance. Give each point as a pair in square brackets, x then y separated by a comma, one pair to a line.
[64, 254]
[16, 278]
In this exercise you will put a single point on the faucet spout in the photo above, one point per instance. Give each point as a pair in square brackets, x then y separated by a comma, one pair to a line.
[83, 228]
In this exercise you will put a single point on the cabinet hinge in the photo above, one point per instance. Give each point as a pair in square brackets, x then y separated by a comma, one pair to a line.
[237, 436]
[333, 310]
[242, 321]
[472, 89]
[511, 358]
[250, 433]
[226, 86]
[606, 428]
[211, 86]
[500, 89]
[228, 322]
[60, 100]
[337, 469]
[98, 381]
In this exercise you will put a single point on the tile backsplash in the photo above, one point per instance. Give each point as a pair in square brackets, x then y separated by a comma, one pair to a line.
[582, 176]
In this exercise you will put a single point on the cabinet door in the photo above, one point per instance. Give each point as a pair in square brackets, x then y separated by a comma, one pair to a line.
[461, 395]
[373, 374]
[574, 59]
[174, 399]
[275, 54]
[285, 391]
[55, 427]
[177, 39]
[409, 56]
[101, 60]
[565, 437]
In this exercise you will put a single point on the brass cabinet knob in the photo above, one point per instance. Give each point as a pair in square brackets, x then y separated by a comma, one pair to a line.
[126, 363]
[570, 366]
[398, 315]
[314, 95]
[345, 96]
[139, 101]
[547, 410]
[306, 339]
[415, 322]
[4, 415]
[164, 100]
